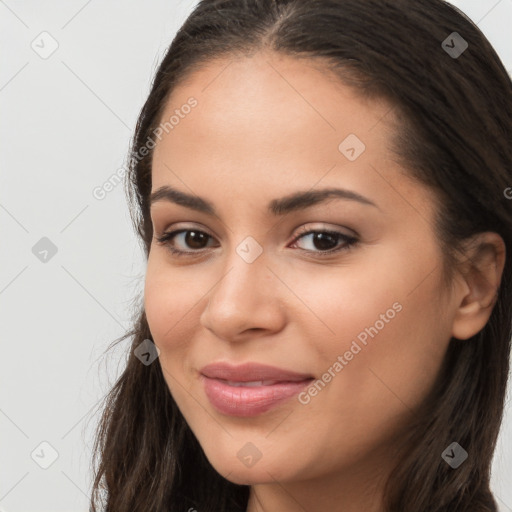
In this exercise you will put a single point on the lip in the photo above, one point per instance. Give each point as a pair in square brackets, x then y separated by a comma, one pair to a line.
[251, 372]
[219, 381]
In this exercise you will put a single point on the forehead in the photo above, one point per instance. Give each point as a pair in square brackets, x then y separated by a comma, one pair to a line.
[267, 122]
[266, 107]
[273, 87]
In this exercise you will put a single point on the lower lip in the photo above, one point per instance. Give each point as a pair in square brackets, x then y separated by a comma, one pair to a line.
[249, 401]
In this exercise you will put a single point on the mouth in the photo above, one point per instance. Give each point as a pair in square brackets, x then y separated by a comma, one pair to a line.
[251, 388]
[249, 398]
[251, 372]
[252, 383]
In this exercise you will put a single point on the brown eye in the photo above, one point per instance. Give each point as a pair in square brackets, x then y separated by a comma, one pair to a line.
[327, 242]
[192, 242]
[192, 239]
[195, 239]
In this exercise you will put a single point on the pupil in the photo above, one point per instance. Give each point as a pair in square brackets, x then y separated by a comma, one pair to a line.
[322, 238]
[189, 239]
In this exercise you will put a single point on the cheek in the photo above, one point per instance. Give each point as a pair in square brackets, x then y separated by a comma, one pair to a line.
[378, 390]
[169, 298]
[391, 335]
[171, 301]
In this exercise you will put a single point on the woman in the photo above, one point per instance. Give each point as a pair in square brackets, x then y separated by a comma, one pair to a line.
[322, 190]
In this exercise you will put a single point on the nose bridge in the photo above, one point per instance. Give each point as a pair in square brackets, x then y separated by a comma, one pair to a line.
[242, 298]
[245, 267]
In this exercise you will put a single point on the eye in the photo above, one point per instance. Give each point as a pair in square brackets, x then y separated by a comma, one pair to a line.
[323, 242]
[193, 237]
[327, 241]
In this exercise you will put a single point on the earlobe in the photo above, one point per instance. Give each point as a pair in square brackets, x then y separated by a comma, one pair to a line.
[481, 271]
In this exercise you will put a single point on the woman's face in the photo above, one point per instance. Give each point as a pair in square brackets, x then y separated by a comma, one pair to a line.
[369, 323]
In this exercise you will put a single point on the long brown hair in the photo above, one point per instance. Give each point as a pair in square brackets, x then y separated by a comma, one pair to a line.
[454, 136]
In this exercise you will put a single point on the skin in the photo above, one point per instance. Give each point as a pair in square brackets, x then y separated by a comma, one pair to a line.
[265, 127]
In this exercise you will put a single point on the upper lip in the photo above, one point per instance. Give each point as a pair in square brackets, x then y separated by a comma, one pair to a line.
[248, 372]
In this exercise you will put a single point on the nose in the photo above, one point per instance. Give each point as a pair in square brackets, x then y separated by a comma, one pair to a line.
[246, 299]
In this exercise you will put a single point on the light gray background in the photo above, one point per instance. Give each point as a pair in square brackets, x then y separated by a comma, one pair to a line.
[65, 126]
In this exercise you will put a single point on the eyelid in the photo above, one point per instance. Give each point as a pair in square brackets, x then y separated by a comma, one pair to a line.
[326, 227]
[349, 242]
[305, 228]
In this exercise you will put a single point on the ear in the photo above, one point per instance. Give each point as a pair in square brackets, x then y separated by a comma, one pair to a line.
[479, 279]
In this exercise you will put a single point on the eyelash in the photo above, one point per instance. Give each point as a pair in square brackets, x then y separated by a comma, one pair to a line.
[350, 242]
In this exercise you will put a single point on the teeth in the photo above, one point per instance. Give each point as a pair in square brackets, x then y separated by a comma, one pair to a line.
[252, 383]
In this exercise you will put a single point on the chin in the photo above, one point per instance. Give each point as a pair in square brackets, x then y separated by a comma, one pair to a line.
[261, 472]
[250, 476]
[245, 478]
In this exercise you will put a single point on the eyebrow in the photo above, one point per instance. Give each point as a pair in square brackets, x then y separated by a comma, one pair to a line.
[290, 203]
